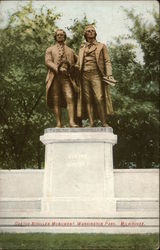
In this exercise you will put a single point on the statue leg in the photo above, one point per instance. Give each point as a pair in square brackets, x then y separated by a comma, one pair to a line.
[102, 115]
[56, 108]
[87, 97]
[69, 96]
[90, 114]
[57, 113]
[99, 97]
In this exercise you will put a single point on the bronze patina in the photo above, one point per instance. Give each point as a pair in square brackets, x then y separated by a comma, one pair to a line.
[60, 84]
[96, 76]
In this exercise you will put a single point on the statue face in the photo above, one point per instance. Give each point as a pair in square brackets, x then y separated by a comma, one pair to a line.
[60, 37]
[90, 33]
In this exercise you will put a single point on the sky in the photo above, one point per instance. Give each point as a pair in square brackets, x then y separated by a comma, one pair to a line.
[110, 19]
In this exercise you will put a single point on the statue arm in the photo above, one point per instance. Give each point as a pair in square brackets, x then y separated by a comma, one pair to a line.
[48, 60]
[107, 63]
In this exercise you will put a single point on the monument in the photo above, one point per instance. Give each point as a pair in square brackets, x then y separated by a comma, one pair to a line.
[78, 178]
[81, 191]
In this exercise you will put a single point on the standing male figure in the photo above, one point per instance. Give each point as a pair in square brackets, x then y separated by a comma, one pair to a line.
[95, 67]
[60, 60]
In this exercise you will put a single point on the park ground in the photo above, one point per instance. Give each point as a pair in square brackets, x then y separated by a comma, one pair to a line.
[43, 241]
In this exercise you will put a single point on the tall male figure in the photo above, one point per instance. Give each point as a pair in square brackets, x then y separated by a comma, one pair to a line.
[95, 69]
[60, 87]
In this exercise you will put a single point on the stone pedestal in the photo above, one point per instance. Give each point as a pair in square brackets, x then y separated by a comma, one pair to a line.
[78, 178]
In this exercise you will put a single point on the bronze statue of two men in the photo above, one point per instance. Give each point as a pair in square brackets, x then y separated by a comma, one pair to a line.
[81, 84]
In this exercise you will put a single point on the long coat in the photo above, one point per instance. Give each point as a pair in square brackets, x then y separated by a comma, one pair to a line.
[105, 68]
[52, 61]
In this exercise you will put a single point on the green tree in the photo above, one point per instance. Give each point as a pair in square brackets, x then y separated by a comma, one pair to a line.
[136, 96]
[23, 113]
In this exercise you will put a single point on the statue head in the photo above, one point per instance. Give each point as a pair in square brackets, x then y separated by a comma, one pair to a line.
[90, 32]
[60, 35]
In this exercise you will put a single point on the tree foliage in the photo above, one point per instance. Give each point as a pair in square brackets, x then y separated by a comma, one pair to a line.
[23, 113]
[136, 95]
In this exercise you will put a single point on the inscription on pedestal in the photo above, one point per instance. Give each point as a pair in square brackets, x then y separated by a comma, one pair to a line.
[77, 160]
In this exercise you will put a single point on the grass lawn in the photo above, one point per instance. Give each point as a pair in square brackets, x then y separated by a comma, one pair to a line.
[43, 241]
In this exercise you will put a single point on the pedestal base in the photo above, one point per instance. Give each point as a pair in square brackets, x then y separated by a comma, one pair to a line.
[78, 177]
